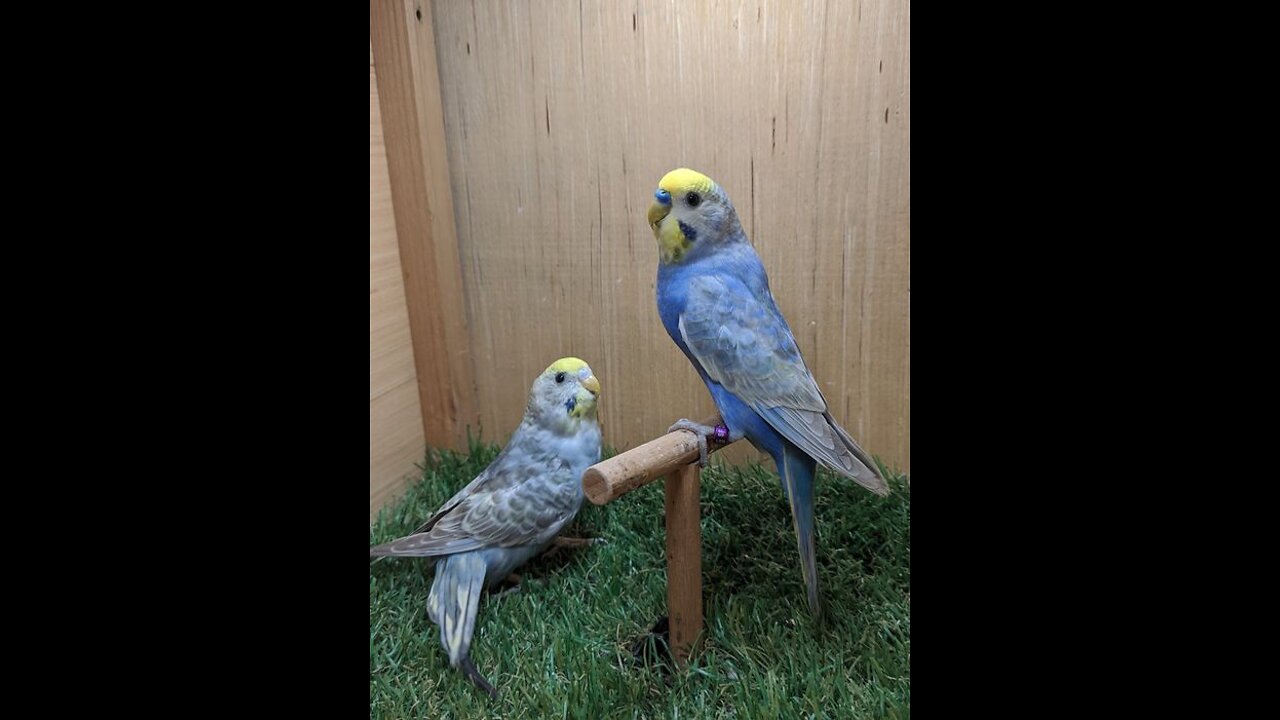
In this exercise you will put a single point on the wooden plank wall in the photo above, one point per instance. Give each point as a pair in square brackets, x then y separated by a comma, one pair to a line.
[404, 50]
[395, 414]
[561, 116]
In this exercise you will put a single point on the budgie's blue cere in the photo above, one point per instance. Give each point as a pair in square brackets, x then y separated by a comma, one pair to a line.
[714, 301]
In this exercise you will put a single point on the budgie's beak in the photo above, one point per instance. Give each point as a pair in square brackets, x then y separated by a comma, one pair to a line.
[660, 207]
[583, 403]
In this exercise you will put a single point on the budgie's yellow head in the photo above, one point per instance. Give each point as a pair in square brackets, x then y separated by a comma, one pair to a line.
[690, 211]
[564, 394]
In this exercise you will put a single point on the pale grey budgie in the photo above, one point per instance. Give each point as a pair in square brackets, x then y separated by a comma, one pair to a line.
[513, 510]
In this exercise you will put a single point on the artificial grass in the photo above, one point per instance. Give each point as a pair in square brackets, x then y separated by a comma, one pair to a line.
[565, 644]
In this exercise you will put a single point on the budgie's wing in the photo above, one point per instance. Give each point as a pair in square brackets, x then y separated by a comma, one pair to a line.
[509, 504]
[452, 502]
[743, 343]
[480, 481]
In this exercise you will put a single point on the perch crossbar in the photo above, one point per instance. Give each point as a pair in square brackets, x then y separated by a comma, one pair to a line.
[675, 456]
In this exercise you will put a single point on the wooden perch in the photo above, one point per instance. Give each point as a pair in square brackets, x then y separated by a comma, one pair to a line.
[674, 455]
[610, 479]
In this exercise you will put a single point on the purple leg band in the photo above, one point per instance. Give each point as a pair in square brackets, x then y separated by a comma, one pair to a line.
[722, 433]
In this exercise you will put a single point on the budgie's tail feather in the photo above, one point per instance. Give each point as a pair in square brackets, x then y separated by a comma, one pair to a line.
[452, 604]
[868, 476]
[469, 669]
[797, 470]
[433, 598]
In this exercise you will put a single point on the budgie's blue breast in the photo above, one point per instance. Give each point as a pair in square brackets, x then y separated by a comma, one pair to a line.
[742, 268]
[673, 293]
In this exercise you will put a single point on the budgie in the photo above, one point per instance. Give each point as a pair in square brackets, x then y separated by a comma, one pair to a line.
[513, 510]
[714, 301]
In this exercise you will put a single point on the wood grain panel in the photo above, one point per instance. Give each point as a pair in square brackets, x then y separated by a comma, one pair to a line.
[395, 415]
[560, 119]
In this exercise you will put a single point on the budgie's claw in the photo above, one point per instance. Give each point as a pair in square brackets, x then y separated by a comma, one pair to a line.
[560, 542]
[701, 432]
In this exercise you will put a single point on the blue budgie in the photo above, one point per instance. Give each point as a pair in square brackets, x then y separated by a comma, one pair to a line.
[714, 301]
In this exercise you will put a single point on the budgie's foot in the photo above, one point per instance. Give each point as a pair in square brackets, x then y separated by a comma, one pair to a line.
[561, 541]
[719, 432]
[469, 669]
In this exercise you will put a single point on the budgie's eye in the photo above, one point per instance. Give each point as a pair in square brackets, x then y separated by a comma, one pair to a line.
[559, 377]
[694, 199]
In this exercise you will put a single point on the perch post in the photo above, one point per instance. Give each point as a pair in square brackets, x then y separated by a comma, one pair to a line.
[684, 560]
[674, 455]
